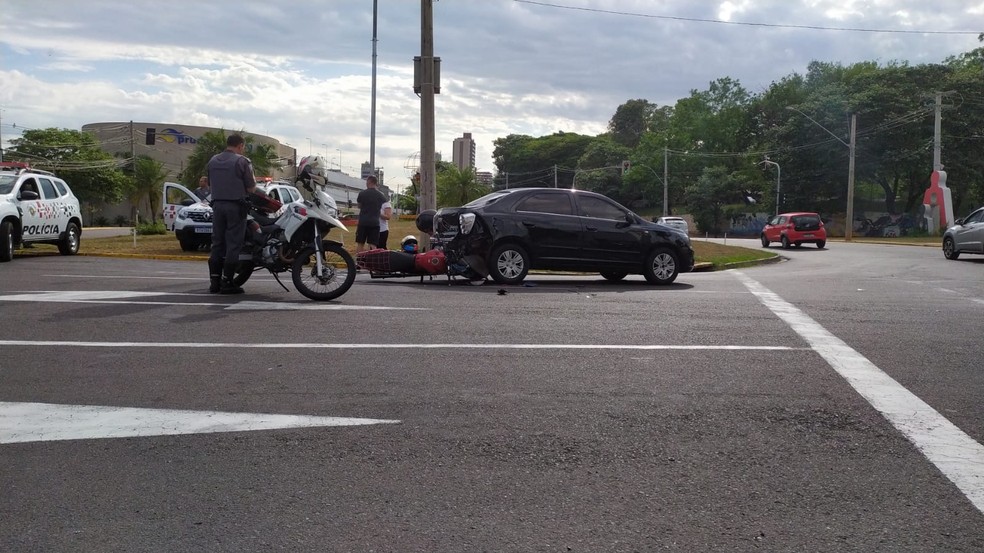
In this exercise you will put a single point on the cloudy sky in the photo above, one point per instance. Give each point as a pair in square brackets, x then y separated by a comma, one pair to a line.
[300, 70]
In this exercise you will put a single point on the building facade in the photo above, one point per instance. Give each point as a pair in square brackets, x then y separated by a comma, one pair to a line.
[463, 154]
[172, 144]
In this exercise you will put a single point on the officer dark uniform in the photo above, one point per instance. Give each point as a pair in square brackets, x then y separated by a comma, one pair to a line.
[230, 176]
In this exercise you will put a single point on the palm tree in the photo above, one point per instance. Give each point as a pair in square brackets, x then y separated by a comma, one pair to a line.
[458, 186]
[263, 156]
[209, 144]
[148, 177]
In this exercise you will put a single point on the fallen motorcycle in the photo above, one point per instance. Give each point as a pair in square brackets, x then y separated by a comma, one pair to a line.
[442, 258]
[292, 238]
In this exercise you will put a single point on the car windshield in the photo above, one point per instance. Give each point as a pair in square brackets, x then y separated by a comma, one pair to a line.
[487, 199]
[7, 183]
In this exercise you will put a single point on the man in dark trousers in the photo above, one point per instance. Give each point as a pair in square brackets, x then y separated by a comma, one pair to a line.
[370, 202]
[230, 175]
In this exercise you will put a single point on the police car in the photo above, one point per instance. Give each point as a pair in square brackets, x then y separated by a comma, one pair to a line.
[190, 217]
[36, 207]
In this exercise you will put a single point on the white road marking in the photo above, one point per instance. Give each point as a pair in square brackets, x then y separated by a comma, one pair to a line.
[201, 345]
[953, 452]
[42, 422]
[125, 277]
[125, 297]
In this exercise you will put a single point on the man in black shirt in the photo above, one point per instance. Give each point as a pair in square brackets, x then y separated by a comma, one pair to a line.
[370, 202]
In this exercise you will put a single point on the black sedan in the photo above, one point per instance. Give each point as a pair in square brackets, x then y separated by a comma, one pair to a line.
[507, 233]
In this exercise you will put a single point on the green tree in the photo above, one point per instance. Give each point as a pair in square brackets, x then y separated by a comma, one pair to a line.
[631, 120]
[457, 187]
[148, 177]
[711, 196]
[599, 169]
[93, 174]
[522, 160]
[263, 156]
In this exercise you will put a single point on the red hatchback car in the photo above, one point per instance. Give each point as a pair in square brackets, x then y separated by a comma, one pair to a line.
[795, 229]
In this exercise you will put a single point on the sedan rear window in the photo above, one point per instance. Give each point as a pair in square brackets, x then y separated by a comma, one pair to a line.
[547, 202]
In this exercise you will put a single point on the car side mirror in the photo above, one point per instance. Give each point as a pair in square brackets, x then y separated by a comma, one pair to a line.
[29, 195]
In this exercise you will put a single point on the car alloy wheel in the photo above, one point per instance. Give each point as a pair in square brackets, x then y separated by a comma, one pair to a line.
[950, 249]
[661, 267]
[509, 264]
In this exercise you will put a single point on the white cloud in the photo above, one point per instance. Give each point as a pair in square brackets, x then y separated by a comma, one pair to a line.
[297, 70]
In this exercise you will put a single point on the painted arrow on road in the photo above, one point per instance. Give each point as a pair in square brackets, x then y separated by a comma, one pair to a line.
[41, 422]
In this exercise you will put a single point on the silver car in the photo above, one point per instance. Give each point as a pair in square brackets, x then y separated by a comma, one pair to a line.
[678, 223]
[965, 236]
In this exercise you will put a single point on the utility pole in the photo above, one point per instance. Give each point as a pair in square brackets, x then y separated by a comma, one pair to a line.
[372, 116]
[666, 188]
[428, 184]
[849, 224]
[133, 153]
[768, 162]
[937, 128]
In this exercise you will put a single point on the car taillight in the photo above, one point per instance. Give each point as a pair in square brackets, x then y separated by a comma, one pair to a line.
[300, 210]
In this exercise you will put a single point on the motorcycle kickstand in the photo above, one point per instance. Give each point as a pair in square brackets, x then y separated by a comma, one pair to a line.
[277, 278]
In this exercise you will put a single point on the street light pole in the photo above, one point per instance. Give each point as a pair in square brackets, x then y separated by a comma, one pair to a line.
[767, 162]
[339, 150]
[849, 223]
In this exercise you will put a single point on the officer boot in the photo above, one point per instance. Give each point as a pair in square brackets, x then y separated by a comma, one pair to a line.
[214, 277]
[225, 285]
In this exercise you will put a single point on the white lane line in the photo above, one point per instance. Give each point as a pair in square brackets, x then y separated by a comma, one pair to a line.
[125, 277]
[955, 454]
[199, 345]
[42, 422]
[125, 297]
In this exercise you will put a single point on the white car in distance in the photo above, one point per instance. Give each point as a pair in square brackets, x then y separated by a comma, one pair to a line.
[191, 218]
[678, 223]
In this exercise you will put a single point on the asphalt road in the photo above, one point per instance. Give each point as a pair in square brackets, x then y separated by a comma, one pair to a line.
[828, 403]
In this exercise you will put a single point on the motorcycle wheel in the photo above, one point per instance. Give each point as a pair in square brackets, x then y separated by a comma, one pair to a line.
[337, 275]
[243, 272]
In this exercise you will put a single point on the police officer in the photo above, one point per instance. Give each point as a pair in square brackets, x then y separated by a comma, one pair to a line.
[230, 176]
[202, 191]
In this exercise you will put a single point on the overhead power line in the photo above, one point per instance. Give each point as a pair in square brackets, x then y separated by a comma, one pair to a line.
[746, 23]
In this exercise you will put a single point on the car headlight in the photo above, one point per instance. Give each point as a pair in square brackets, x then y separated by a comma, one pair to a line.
[466, 221]
[182, 215]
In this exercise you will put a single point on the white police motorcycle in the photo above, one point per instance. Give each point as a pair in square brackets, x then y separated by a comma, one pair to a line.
[293, 238]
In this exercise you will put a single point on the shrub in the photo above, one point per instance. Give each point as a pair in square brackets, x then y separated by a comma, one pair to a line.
[151, 228]
[121, 221]
[101, 221]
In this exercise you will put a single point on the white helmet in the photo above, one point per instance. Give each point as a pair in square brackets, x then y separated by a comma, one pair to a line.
[315, 164]
[409, 244]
